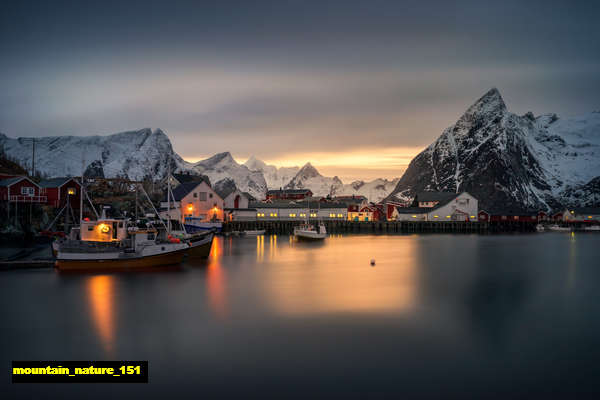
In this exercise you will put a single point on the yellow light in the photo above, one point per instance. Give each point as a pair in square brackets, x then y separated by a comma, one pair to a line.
[447, 216]
[414, 216]
[104, 228]
[71, 191]
[472, 216]
[589, 216]
[435, 216]
[190, 207]
[572, 212]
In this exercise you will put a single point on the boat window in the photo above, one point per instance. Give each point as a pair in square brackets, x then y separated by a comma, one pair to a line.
[120, 224]
[150, 235]
[90, 228]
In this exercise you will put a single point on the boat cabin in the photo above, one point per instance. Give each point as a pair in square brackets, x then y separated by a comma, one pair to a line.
[104, 230]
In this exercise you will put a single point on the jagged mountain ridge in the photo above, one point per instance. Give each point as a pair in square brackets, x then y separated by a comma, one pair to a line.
[507, 160]
[133, 154]
[309, 178]
[275, 177]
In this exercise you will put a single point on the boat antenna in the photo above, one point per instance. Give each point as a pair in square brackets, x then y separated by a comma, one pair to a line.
[152, 205]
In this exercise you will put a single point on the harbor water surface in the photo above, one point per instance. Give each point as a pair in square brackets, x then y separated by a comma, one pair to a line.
[436, 316]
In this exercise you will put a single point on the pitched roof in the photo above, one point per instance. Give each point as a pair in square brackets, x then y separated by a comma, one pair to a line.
[186, 178]
[55, 182]
[300, 204]
[288, 191]
[183, 190]
[11, 181]
[249, 196]
[442, 197]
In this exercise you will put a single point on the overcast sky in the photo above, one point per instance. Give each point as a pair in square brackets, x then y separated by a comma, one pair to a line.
[357, 88]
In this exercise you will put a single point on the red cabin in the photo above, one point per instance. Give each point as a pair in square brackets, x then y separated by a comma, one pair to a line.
[289, 194]
[20, 189]
[58, 190]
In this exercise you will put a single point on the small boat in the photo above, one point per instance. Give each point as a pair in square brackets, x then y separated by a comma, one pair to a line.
[593, 228]
[195, 224]
[540, 228]
[256, 232]
[558, 228]
[308, 231]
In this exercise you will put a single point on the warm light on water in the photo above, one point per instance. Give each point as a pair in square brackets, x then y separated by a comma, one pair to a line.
[102, 307]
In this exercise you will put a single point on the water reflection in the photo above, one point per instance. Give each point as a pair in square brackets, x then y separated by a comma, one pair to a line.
[572, 262]
[305, 279]
[215, 280]
[100, 291]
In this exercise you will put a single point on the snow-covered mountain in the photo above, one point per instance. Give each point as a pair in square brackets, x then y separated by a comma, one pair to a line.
[222, 165]
[276, 177]
[309, 178]
[507, 160]
[375, 190]
[133, 154]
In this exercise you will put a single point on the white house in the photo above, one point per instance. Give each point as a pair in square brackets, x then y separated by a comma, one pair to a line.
[439, 206]
[194, 199]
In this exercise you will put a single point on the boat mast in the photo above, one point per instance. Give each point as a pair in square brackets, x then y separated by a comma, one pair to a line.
[81, 194]
[169, 194]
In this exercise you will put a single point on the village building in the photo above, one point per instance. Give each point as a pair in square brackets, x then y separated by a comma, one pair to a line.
[195, 199]
[579, 214]
[508, 214]
[289, 194]
[20, 189]
[439, 206]
[178, 179]
[60, 190]
[291, 211]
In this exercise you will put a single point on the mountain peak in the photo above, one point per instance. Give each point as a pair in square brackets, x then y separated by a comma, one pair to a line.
[308, 170]
[490, 102]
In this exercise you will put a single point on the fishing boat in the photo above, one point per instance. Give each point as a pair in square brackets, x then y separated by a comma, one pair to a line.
[308, 231]
[199, 243]
[118, 246]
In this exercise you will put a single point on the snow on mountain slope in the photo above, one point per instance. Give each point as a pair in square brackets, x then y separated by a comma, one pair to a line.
[309, 178]
[134, 154]
[375, 190]
[276, 177]
[222, 165]
[507, 160]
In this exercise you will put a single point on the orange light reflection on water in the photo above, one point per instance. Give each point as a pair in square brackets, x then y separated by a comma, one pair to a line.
[336, 276]
[100, 294]
[215, 281]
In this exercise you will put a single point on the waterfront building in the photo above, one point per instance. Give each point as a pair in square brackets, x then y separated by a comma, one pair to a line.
[289, 194]
[578, 214]
[508, 214]
[439, 206]
[195, 199]
[280, 210]
[59, 190]
[20, 189]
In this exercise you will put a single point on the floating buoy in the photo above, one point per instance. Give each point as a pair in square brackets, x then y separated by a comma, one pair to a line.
[372, 262]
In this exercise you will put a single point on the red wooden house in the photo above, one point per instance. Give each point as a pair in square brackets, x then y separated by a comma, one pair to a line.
[20, 189]
[509, 215]
[289, 194]
[58, 190]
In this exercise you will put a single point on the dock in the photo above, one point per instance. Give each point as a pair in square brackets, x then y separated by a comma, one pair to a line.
[287, 227]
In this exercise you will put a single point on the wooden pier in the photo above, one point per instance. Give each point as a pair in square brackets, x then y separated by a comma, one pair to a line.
[287, 227]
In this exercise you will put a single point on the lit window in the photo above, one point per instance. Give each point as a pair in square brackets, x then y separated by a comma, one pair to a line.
[589, 216]
[71, 191]
[447, 216]
[414, 216]
[472, 216]
[27, 191]
[435, 216]
[293, 215]
[340, 215]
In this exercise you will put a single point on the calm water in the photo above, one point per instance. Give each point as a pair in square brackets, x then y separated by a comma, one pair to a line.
[437, 316]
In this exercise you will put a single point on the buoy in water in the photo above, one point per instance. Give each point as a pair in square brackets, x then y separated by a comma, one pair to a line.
[372, 262]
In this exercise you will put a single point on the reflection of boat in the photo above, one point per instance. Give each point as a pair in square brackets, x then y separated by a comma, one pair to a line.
[195, 224]
[256, 232]
[310, 232]
[559, 228]
[540, 228]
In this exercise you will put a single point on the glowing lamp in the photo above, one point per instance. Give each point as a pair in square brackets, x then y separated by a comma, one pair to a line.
[190, 207]
[104, 228]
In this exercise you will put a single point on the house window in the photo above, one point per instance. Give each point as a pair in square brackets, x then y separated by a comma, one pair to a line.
[71, 191]
[27, 191]
[195, 195]
[202, 196]
[210, 195]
